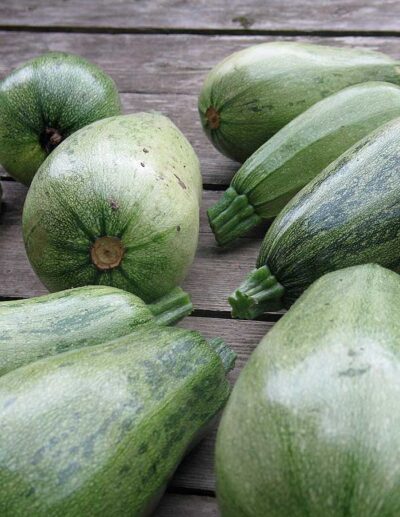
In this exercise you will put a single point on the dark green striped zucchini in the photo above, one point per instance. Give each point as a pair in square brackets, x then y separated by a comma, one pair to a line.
[312, 425]
[253, 93]
[99, 431]
[298, 152]
[85, 316]
[348, 215]
[44, 101]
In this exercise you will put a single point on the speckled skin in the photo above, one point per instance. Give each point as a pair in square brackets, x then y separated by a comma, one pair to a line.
[133, 177]
[348, 215]
[260, 89]
[56, 90]
[99, 431]
[299, 151]
[312, 428]
[48, 325]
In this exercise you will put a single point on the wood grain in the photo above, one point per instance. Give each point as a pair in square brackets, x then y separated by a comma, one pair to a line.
[206, 15]
[212, 278]
[179, 505]
[161, 72]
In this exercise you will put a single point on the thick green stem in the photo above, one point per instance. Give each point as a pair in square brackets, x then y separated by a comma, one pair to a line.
[172, 307]
[227, 356]
[232, 216]
[260, 292]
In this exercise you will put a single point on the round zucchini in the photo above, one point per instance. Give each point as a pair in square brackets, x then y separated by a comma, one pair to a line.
[348, 215]
[99, 431]
[312, 425]
[44, 101]
[297, 153]
[85, 316]
[116, 204]
[253, 93]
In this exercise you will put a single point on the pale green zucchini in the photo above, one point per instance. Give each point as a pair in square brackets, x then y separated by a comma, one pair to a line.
[85, 316]
[298, 152]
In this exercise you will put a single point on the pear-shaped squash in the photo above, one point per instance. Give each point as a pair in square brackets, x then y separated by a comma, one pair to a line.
[117, 204]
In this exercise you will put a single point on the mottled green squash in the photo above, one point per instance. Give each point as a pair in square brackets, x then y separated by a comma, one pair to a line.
[99, 431]
[348, 215]
[117, 203]
[84, 316]
[44, 101]
[298, 152]
[312, 427]
[253, 93]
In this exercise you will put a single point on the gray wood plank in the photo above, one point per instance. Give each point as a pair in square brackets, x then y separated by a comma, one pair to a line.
[160, 72]
[179, 505]
[213, 276]
[204, 15]
[156, 63]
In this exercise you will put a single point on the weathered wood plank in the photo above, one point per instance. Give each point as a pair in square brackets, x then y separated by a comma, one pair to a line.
[274, 15]
[156, 63]
[213, 276]
[179, 505]
[169, 68]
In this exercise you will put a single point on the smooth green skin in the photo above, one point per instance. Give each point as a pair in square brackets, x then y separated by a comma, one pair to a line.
[99, 431]
[312, 427]
[55, 90]
[134, 177]
[301, 150]
[47, 325]
[347, 215]
[262, 88]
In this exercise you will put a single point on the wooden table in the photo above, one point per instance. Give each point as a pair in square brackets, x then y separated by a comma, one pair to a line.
[159, 52]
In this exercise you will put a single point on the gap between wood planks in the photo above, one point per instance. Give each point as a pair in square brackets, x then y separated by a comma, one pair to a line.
[202, 32]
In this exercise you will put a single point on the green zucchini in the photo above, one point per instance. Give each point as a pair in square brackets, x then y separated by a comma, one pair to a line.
[298, 152]
[99, 431]
[312, 425]
[85, 316]
[348, 215]
[253, 93]
[44, 101]
[117, 203]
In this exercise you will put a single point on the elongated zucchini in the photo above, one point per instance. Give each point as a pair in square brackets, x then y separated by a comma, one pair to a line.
[99, 431]
[348, 215]
[312, 425]
[253, 93]
[298, 152]
[85, 316]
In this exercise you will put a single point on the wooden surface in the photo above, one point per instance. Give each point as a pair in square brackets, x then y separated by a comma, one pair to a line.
[159, 52]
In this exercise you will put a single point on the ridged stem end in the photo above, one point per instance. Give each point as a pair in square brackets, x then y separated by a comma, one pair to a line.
[227, 356]
[232, 216]
[172, 307]
[260, 292]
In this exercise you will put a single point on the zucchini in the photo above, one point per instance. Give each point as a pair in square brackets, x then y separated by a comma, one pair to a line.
[99, 431]
[44, 101]
[312, 425]
[253, 93]
[348, 215]
[117, 204]
[298, 152]
[85, 316]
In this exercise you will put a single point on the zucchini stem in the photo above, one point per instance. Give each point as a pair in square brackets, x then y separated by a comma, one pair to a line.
[227, 356]
[172, 307]
[259, 293]
[232, 216]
